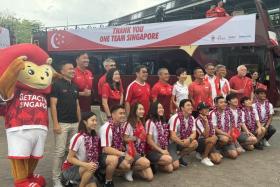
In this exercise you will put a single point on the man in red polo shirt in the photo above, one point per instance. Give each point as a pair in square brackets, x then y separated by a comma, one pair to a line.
[220, 11]
[200, 90]
[83, 79]
[240, 84]
[162, 91]
[108, 64]
[139, 90]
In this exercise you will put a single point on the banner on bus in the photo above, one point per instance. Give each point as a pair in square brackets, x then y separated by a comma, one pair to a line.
[4, 38]
[209, 31]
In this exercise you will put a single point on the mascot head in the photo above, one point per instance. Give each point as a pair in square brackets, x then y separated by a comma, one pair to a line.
[37, 73]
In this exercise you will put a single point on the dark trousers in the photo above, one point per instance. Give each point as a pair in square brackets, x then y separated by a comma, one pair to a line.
[270, 131]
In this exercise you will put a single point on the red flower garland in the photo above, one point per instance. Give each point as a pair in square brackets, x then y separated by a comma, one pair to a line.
[232, 119]
[92, 146]
[250, 119]
[185, 132]
[163, 134]
[267, 112]
[219, 120]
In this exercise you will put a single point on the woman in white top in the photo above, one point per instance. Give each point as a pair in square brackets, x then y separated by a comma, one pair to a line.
[83, 157]
[157, 139]
[134, 131]
[180, 90]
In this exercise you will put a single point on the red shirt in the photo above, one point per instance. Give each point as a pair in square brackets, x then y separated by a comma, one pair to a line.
[101, 82]
[113, 96]
[163, 92]
[83, 80]
[200, 92]
[27, 110]
[236, 82]
[137, 92]
[220, 12]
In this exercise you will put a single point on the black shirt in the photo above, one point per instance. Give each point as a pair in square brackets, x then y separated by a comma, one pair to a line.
[67, 94]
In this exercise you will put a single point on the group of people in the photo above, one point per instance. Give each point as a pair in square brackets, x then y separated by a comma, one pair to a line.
[153, 129]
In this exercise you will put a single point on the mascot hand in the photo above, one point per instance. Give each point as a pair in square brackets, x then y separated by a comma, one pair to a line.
[8, 79]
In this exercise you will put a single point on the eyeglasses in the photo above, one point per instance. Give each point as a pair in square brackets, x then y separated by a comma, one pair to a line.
[112, 65]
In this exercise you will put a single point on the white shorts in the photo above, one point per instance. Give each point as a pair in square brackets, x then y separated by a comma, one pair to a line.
[27, 143]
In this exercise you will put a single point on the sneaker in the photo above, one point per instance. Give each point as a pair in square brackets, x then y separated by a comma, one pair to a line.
[258, 146]
[265, 143]
[128, 176]
[57, 184]
[26, 183]
[207, 162]
[182, 162]
[37, 179]
[198, 156]
[108, 184]
[242, 149]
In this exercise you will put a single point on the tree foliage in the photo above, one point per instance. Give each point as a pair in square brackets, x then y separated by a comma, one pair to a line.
[20, 29]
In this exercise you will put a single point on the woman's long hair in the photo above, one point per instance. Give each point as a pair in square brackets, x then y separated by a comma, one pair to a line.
[82, 126]
[109, 79]
[132, 117]
[153, 113]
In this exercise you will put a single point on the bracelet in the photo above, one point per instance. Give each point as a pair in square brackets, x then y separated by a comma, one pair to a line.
[190, 140]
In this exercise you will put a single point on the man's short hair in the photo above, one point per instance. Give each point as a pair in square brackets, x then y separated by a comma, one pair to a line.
[80, 54]
[107, 61]
[216, 99]
[138, 68]
[62, 64]
[219, 66]
[260, 90]
[240, 66]
[183, 102]
[243, 99]
[114, 108]
[231, 96]
[161, 69]
[208, 64]
[196, 68]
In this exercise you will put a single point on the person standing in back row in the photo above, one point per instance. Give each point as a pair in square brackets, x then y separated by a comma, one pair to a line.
[83, 79]
[200, 90]
[65, 112]
[162, 91]
[240, 84]
[139, 90]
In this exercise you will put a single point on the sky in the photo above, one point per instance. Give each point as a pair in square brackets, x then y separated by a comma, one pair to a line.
[57, 12]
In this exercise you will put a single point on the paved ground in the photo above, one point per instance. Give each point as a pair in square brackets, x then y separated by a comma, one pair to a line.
[257, 168]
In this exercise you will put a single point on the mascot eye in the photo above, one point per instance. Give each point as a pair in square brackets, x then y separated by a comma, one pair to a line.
[31, 72]
[47, 74]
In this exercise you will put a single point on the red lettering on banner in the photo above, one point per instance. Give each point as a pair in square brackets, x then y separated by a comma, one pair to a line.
[145, 36]
[122, 30]
[104, 39]
[118, 38]
[138, 29]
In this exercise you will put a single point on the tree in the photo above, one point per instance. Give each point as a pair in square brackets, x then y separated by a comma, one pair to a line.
[21, 30]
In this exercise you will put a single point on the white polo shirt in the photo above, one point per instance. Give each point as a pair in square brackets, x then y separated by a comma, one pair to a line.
[106, 135]
[271, 110]
[180, 91]
[174, 124]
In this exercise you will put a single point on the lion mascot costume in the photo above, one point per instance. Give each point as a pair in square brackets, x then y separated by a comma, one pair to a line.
[25, 79]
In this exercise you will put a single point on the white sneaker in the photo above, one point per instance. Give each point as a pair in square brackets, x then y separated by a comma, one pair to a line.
[57, 184]
[198, 156]
[266, 144]
[128, 176]
[207, 162]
